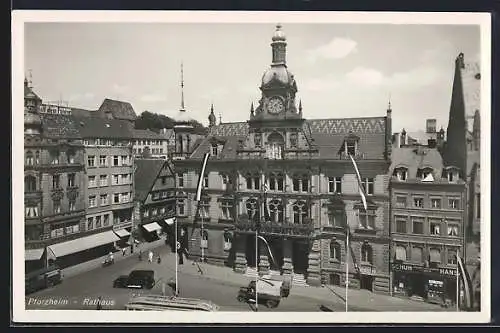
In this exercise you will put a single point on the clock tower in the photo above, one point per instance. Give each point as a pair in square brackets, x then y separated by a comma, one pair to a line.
[278, 86]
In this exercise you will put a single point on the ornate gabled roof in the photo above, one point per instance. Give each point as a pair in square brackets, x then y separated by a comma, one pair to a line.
[146, 172]
[358, 126]
[119, 109]
[60, 126]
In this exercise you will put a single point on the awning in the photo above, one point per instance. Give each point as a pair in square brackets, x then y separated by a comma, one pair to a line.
[122, 232]
[33, 254]
[84, 243]
[152, 226]
[170, 221]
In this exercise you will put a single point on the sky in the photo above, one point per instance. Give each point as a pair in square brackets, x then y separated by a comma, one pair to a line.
[342, 70]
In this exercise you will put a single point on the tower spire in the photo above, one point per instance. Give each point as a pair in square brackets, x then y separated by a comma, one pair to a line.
[389, 104]
[182, 88]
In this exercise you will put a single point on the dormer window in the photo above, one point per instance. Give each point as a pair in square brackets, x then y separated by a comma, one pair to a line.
[425, 174]
[275, 146]
[451, 174]
[214, 150]
[257, 139]
[401, 173]
[293, 140]
[350, 145]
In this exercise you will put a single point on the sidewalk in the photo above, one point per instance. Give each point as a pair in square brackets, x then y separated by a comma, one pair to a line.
[329, 294]
[96, 263]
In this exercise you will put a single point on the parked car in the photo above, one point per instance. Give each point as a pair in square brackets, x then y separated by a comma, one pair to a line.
[269, 292]
[140, 279]
[42, 278]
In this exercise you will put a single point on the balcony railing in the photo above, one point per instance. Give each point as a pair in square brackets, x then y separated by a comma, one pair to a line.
[288, 229]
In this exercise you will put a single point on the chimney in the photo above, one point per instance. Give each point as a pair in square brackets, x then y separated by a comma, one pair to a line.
[430, 126]
[403, 138]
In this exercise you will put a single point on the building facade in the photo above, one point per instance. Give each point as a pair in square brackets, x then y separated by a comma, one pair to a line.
[298, 171]
[54, 190]
[150, 144]
[428, 205]
[155, 199]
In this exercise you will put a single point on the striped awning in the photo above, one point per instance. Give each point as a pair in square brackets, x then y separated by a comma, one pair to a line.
[83, 243]
[122, 232]
[33, 254]
[151, 226]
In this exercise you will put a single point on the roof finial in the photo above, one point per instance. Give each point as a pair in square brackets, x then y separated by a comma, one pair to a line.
[182, 87]
[220, 118]
[30, 81]
[251, 109]
[389, 104]
[300, 105]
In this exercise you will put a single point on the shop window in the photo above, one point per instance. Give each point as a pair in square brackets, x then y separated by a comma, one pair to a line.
[366, 253]
[299, 212]
[276, 211]
[335, 251]
[400, 253]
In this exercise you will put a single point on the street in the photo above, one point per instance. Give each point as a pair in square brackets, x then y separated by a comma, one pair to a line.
[82, 291]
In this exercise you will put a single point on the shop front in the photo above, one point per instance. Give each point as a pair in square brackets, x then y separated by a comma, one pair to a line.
[436, 285]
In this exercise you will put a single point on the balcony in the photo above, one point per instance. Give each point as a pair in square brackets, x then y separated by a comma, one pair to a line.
[357, 156]
[33, 195]
[285, 229]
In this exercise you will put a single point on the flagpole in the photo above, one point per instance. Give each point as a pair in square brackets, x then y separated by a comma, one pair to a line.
[458, 286]
[257, 267]
[347, 270]
[176, 260]
[202, 235]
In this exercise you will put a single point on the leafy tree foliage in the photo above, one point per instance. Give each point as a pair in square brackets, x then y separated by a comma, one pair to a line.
[155, 122]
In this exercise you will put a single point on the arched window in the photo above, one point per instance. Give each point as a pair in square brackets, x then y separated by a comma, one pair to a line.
[299, 212]
[366, 253]
[301, 183]
[29, 158]
[276, 181]
[37, 157]
[275, 144]
[29, 183]
[335, 250]
[425, 174]
[401, 173]
[252, 209]
[400, 253]
[276, 211]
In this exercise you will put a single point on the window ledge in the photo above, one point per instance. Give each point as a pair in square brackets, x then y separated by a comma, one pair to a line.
[366, 230]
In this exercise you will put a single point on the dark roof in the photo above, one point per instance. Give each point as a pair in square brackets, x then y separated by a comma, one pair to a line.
[59, 126]
[119, 109]
[147, 134]
[94, 127]
[29, 93]
[414, 158]
[146, 172]
[77, 112]
[325, 134]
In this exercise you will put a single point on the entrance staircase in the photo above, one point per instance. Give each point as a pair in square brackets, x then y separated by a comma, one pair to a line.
[297, 279]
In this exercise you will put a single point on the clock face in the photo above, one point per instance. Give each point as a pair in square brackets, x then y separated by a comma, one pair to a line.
[275, 105]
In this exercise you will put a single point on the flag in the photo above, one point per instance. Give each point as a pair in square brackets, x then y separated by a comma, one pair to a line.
[467, 283]
[360, 183]
[202, 174]
[267, 217]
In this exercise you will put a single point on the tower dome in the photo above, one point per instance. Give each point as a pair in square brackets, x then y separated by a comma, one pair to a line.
[279, 35]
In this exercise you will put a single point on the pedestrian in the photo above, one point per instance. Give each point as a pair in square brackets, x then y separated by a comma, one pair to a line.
[159, 259]
[99, 305]
[111, 257]
[124, 250]
[140, 255]
[150, 256]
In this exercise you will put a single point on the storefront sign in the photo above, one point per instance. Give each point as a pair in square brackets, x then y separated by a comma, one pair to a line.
[422, 269]
[367, 270]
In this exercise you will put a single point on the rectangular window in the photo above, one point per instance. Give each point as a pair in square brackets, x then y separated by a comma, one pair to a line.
[204, 208]
[125, 179]
[56, 182]
[92, 202]
[57, 206]
[115, 160]
[435, 228]
[106, 220]
[91, 161]
[116, 198]
[31, 211]
[336, 218]
[351, 147]
[145, 213]
[71, 180]
[401, 223]
[124, 160]
[181, 211]
[400, 202]
[452, 257]
[72, 205]
[156, 195]
[98, 222]
[436, 203]
[366, 219]
[162, 210]
[92, 182]
[453, 203]
[418, 202]
[163, 180]
[305, 184]
[335, 184]
[296, 184]
[418, 227]
[124, 197]
[368, 185]
[102, 160]
[116, 180]
[154, 212]
[180, 180]
[453, 229]
[103, 180]
[104, 199]
[90, 223]
[214, 150]
[227, 209]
